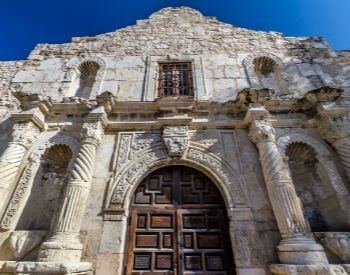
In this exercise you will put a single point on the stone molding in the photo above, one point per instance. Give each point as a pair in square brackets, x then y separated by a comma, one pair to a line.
[72, 71]
[131, 171]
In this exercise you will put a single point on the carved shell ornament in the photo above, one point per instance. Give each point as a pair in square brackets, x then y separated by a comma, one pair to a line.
[175, 139]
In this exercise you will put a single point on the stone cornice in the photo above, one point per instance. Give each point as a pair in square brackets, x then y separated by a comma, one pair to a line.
[33, 115]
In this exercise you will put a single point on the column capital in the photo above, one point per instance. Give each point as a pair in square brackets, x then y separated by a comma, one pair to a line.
[24, 133]
[92, 132]
[333, 122]
[261, 131]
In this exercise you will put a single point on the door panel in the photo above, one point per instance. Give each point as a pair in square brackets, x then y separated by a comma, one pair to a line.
[152, 243]
[178, 226]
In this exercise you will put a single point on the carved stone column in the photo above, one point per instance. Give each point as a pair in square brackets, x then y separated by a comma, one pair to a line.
[333, 124]
[65, 244]
[22, 138]
[296, 247]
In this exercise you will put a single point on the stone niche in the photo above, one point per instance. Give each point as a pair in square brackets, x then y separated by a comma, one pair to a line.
[36, 219]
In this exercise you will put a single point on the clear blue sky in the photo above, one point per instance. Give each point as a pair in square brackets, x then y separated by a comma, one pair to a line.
[24, 23]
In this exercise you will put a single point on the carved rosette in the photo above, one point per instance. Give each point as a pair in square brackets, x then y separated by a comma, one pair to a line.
[22, 138]
[175, 139]
[284, 200]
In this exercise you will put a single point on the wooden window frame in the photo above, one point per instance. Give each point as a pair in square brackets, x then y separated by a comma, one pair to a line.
[178, 87]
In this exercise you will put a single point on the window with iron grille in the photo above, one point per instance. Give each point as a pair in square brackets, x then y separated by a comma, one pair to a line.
[175, 79]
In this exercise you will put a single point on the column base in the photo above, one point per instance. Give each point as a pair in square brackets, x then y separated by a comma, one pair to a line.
[281, 269]
[301, 251]
[11, 267]
[61, 248]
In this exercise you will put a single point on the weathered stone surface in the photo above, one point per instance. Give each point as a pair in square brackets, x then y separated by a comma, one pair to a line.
[268, 123]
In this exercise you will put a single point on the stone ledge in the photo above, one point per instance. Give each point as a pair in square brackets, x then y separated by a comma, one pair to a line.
[12, 267]
[283, 269]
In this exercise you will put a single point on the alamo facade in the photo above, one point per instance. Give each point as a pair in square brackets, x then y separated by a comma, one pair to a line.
[179, 145]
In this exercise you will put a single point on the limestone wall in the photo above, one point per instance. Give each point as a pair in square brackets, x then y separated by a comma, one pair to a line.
[123, 119]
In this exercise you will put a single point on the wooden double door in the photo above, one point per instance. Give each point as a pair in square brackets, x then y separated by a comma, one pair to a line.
[178, 226]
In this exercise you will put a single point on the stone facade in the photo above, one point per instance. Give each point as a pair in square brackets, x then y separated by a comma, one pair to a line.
[268, 122]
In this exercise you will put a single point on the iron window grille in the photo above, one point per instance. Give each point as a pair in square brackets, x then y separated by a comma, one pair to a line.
[175, 79]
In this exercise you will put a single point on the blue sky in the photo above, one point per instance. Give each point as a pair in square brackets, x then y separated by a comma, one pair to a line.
[24, 23]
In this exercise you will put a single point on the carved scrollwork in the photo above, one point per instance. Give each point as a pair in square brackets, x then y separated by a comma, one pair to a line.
[140, 167]
[175, 139]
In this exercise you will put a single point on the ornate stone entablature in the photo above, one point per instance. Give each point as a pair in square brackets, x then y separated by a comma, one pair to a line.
[175, 139]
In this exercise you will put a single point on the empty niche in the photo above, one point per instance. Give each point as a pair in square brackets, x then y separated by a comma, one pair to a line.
[47, 190]
[319, 201]
[269, 74]
[84, 79]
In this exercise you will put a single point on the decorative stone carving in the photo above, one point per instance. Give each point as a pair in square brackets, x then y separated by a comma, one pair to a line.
[17, 202]
[65, 243]
[73, 70]
[295, 247]
[337, 242]
[334, 126]
[22, 138]
[23, 188]
[175, 139]
[124, 180]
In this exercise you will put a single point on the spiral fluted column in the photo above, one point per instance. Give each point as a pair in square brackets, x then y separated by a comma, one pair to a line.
[334, 126]
[22, 138]
[65, 244]
[296, 247]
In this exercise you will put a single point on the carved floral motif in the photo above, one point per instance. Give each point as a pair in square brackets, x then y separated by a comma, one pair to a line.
[175, 139]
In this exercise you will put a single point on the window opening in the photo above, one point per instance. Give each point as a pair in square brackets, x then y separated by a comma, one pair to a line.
[175, 79]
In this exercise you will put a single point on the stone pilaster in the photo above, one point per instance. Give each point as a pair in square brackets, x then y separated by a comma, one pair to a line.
[333, 124]
[22, 138]
[65, 244]
[296, 247]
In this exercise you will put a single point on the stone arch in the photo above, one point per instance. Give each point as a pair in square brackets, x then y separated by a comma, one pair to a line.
[257, 80]
[227, 181]
[74, 71]
[318, 146]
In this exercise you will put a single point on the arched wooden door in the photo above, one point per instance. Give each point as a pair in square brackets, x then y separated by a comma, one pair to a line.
[178, 226]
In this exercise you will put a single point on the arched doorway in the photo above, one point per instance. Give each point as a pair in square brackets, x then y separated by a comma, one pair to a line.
[178, 225]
